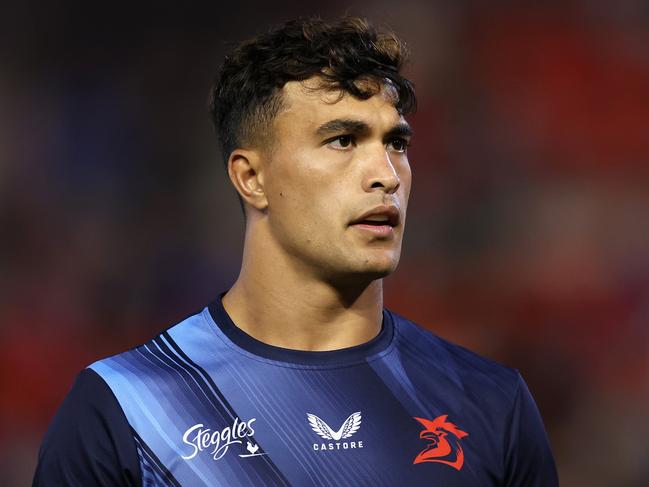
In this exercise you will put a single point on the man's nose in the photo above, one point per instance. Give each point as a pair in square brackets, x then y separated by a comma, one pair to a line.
[380, 172]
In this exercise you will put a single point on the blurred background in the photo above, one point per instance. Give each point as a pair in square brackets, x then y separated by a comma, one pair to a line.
[528, 229]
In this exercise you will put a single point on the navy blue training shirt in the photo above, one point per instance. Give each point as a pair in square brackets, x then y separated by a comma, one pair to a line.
[204, 403]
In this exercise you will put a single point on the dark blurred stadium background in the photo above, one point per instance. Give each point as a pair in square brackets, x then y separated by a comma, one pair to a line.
[528, 230]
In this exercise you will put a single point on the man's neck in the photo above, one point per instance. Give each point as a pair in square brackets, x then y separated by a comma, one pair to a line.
[285, 308]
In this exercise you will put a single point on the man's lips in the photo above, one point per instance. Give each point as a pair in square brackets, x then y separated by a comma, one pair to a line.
[379, 221]
[379, 216]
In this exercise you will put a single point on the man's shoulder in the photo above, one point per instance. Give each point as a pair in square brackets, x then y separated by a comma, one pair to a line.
[462, 365]
[141, 359]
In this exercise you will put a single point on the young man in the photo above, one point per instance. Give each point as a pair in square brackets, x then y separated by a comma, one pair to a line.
[298, 375]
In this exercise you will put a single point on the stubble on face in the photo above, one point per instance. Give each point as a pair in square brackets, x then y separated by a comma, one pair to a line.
[316, 187]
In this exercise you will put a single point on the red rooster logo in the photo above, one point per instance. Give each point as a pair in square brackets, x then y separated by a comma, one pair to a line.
[440, 450]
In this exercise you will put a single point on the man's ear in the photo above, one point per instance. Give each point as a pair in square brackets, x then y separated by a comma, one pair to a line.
[244, 169]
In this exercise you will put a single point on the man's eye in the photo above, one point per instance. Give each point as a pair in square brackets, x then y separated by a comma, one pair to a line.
[398, 144]
[341, 142]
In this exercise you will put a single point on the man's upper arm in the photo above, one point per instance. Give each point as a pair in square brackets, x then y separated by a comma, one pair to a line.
[89, 441]
[529, 460]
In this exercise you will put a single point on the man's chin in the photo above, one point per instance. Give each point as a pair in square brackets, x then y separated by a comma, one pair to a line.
[364, 275]
[378, 265]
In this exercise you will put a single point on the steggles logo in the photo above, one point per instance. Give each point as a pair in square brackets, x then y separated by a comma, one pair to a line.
[349, 427]
[200, 438]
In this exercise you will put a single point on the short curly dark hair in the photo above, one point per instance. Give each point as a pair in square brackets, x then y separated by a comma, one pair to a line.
[246, 95]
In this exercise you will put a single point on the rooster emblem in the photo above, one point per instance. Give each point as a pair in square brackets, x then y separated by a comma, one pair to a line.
[440, 450]
[349, 427]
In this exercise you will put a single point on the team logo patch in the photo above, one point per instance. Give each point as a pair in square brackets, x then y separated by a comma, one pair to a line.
[351, 425]
[441, 448]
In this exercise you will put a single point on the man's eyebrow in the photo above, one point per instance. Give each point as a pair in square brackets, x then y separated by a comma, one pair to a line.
[402, 129]
[358, 127]
[343, 125]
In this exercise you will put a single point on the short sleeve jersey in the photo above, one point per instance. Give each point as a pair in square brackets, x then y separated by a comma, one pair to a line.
[203, 403]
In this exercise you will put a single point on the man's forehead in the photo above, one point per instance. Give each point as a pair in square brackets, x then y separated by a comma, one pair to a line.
[318, 86]
[309, 100]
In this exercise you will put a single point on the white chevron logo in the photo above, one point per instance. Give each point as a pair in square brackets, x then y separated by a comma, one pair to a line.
[349, 427]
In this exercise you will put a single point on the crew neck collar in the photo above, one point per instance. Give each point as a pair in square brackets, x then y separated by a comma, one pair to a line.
[343, 356]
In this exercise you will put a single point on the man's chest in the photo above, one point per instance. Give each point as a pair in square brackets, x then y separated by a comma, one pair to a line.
[254, 427]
